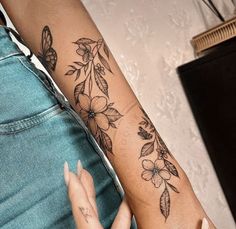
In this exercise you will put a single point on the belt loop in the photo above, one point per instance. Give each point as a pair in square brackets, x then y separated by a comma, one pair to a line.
[18, 37]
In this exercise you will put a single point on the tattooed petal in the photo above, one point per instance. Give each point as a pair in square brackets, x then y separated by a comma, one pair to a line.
[102, 121]
[87, 56]
[99, 104]
[84, 115]
[84, 102]
[157, 180]
[80, 51]
[148, 164]
[159, 164]
[147, 175]
[164, 174]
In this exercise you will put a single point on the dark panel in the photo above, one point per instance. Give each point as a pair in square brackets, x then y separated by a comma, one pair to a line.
[210, 85]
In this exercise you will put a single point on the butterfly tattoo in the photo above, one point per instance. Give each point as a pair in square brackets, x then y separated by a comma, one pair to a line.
[48, 57]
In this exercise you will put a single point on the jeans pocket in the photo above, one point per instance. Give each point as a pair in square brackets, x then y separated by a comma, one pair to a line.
[16, 126]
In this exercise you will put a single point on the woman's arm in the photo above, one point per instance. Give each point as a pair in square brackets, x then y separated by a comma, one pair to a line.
[65, 39]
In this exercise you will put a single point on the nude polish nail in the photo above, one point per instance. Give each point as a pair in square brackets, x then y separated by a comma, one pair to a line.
[66, 173]
[79, 168]
[205, 224]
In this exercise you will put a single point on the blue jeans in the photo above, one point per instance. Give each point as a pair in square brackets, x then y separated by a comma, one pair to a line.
[39, 131]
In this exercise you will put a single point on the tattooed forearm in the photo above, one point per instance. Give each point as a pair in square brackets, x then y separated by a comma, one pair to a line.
[159, 170]
[91, 97]
[48, 55]
[85, 212]
[90, 71]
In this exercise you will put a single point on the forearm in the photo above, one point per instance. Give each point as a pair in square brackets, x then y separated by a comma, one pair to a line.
[84, 69]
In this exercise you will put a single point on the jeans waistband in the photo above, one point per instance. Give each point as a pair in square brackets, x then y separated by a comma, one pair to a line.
[7, 47]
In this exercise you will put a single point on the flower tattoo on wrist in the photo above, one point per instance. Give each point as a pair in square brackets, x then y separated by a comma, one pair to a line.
[160, 170]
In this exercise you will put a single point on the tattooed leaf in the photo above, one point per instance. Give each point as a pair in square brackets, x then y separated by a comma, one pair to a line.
[77, 74]
[112, 114]
[85, 41]
[112, 125]
[165, 203]
[70, 72]
[144, 134]
[79, 89]
[142, 123]
[106, 50]
[79, 63]
[173, 187]
[101, 83]
[164, 145]
[147, 149]
[106, 142]
[171, 168]
[104, 62]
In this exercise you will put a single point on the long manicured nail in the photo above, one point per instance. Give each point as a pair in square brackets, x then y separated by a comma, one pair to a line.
[79, 168]
[66, 173]
[205, 224]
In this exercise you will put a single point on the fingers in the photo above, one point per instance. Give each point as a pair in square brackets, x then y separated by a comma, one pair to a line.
[85, 215]
[123, 217]
[87, 181]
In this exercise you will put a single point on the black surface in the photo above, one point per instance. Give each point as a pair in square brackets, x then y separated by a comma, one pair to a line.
[210, 85]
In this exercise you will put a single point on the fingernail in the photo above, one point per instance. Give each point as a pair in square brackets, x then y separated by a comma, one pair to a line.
[79, 168]
[66, 173]
[205, 224]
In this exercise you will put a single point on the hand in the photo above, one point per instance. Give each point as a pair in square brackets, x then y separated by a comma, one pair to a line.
[82, 196]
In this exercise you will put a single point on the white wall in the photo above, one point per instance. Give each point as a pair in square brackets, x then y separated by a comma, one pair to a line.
[149, 39]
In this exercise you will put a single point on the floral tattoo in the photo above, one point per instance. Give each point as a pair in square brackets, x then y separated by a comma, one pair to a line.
[90, 70]
[160, 170]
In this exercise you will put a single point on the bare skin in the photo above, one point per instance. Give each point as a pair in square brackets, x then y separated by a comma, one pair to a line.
[67, 42]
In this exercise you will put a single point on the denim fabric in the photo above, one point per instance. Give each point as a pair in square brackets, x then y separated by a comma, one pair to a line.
[39, 131]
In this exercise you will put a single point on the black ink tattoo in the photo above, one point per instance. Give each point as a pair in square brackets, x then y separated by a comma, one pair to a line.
[91, 68]
[48, 55]
[85, 212]
[160, 170]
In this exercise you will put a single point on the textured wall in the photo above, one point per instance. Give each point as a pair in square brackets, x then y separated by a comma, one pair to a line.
[149, 39]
